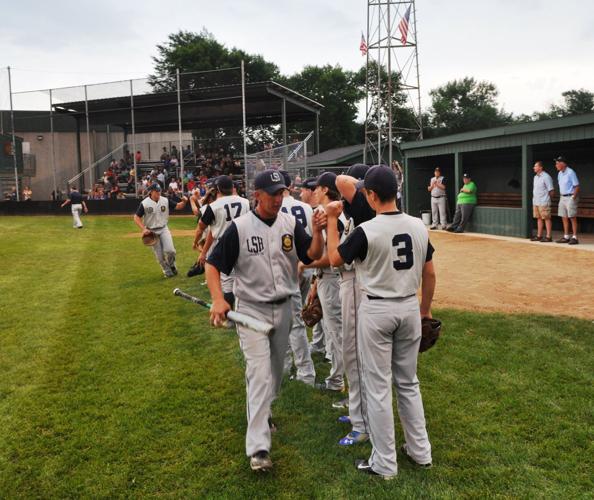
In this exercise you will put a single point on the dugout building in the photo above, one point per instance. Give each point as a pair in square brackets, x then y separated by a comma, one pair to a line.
[500, 161]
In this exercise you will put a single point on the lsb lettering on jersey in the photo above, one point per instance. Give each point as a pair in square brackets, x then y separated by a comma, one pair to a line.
[255, 245]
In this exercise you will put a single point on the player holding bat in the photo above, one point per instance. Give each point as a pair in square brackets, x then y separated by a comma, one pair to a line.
[263, 247]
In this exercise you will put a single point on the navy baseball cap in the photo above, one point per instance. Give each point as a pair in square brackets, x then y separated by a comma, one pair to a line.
[309, 183]
[561, 158]
[286, 177]
[327, 179]
[466, 175]
[381, 180]
[358, 171]
[224, 182]
[270, 181]
[155, 186]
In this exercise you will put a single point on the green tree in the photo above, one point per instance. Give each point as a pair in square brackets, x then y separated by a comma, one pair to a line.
[575, 102]
[404, 120]
[464, 105]
[193, 52]
[338, 91]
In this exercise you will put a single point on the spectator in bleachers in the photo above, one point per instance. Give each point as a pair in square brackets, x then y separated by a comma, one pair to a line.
[138, 156]
[27, 194]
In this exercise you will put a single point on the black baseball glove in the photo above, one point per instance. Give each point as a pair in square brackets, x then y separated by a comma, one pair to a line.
[430, 331]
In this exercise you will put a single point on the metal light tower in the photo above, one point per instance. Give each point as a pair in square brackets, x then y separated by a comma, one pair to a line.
[392, 67]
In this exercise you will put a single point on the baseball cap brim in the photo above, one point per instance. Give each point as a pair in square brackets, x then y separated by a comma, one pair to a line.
[275, 188]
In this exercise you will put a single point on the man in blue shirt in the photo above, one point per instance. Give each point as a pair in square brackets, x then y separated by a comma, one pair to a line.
[541, 202]
[569, 188]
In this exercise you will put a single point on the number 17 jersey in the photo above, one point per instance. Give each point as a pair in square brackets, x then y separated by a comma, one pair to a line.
[390, 251]
[219, 214]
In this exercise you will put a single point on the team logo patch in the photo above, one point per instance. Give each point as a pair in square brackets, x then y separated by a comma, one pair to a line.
[163, 208]
[275, 177]
[287, 240]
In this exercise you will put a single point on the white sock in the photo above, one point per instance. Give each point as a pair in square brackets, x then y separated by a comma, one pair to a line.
[566, 236]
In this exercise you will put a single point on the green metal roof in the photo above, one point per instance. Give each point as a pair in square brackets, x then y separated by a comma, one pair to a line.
[500, 132]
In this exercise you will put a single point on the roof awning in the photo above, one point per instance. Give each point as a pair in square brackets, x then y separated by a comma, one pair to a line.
[211, 107]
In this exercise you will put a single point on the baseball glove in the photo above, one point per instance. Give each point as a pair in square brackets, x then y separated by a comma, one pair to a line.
[430, 331]
[150, 239]
[312, 312]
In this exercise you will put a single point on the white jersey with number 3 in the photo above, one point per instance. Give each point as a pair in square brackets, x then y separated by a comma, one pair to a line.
[396, 251]
[225, 209]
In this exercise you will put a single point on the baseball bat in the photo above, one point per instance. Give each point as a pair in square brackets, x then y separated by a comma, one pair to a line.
[237, 317]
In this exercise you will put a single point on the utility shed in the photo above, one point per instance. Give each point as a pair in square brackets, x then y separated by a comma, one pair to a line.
[500, 161]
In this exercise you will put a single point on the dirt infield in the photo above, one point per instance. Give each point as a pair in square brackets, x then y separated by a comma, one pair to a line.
[485, 274]
[506, 275]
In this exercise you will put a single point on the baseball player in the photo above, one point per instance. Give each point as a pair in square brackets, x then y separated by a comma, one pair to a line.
[328, 288]
[152, 216]
[350, 297]
[218, 215]
[78, 205]
[393, 255]
[263, 247]
[437, 188]
[307, 196]
[198, 209]
[299, 346]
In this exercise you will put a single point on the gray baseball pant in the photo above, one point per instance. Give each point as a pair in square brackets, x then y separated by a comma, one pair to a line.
[350, 296]
[299, 346]
[76, 211]
[390, 334]
[438, 211]
[164, 250]
[264, 356]
[329, 294]
[462, 215]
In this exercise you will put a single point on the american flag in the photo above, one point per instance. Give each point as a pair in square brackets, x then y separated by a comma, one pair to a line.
[363, 45]
[403, 26]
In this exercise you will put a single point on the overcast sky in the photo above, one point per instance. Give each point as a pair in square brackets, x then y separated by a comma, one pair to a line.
[531, 49]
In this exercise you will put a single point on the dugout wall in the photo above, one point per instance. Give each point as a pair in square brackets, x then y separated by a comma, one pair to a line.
[500, 161]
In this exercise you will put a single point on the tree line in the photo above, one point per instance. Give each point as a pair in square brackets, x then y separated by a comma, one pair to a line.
[459, 105]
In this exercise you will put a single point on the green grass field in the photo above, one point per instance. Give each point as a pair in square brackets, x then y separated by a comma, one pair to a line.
[112, 387]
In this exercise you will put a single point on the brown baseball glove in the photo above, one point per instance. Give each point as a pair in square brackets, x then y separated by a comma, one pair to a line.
[312, 311]
[430, 331]
[150, 239]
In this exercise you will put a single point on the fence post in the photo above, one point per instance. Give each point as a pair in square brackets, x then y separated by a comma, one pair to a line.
[14, 149]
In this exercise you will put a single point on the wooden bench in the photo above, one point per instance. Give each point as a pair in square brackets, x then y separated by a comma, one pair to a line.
[514, 200]
[506, 200]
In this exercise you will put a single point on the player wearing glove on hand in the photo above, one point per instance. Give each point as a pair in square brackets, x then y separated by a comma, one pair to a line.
[152, 216]
[392, 255]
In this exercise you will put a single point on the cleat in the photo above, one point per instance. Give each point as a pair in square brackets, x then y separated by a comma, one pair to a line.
[404, 450]
[174, 270]
[344, 419]
[354, 437]
[195, 270]
[562, 240]
[363, 466]
[261, 461]
[322, 386]
[341, 405]
[573, 241]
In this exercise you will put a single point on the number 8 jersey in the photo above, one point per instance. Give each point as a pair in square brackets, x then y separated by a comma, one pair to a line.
[391, 250]
[219, 214]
